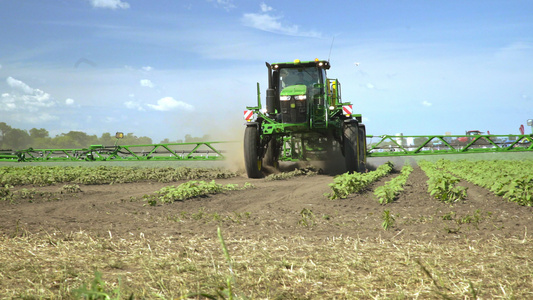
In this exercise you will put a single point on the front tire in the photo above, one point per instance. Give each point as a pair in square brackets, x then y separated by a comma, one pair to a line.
[351, 142]
[252, 160]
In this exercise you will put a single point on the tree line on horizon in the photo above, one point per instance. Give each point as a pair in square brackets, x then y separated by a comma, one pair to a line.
[39, 138]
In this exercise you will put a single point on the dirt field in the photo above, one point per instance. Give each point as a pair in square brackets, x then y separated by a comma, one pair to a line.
[284, 209]
[272, 207]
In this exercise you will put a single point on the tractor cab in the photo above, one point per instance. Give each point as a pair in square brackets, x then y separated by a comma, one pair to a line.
[296, 89]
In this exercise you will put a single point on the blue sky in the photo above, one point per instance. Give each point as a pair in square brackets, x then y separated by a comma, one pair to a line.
[165, 68]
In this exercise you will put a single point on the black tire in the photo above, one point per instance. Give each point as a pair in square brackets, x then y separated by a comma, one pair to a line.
[272, 154]
[252, 161]
[362, 148]
[351, 152]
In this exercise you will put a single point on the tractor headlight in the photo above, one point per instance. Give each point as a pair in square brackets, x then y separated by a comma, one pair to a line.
[300, 97]
[284, 98]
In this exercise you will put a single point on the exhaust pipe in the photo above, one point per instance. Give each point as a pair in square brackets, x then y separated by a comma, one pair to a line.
[270, 93]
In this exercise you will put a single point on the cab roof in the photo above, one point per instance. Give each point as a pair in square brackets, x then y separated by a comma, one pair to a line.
[324, 64]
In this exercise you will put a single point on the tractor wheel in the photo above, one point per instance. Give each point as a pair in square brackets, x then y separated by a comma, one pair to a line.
[252, 161]
[272, 154]
[351, 153]
[362, 148]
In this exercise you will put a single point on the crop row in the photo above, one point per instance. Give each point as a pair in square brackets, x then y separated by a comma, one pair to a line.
[43, 176]
[512, 180]
[392, 188]
[349, 183]
[192, 189]
[441, 184]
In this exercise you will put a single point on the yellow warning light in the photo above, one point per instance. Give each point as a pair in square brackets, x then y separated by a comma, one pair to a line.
[316, 59]
[296, 61]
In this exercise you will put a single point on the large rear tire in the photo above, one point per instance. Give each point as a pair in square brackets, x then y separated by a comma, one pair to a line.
[252, 161]
[362, 148]
[351, 151]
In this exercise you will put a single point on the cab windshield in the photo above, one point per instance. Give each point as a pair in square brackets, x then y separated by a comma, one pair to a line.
[307, 76]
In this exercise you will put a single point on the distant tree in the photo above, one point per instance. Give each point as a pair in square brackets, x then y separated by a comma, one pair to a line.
[130, 139]
[144, 140]
[16, 139]
[42, 143]
[107, 139]
[190, 139]
[74, 139]
[38, 133]
[4, 128]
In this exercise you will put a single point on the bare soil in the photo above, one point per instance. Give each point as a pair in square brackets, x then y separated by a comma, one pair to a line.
[294, 207]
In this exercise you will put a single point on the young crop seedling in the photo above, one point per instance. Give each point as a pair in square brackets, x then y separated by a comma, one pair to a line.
[388, 220]
[70, 189]
[308, 218]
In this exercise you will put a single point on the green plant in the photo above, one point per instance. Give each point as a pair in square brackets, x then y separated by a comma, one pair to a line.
[441, 184]
[5, 193]
[308, 218]
[98, 290]
[192, 189]
[70, 189]
[27, 193]
[471, 219]
[448, 216]
[349, 183]
[388, 220]
[222, 292]
[391, 189]
[199, 215]
[513, 180]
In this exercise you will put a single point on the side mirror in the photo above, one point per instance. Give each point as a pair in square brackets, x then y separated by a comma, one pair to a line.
[530, 122]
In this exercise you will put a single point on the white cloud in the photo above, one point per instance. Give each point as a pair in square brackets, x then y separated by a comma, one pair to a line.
[370, 86]
[269, 23]
[134, 105]
[19, 85]
[69, 101]
[27, 97]
[265, 8]
[146, 83]
[169, 103]
[147, 68]
[425, 103]
[8, 103]
[113, 4]
[226, 4]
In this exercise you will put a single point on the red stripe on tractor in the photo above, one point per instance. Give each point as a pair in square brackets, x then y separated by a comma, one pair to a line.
[347, 109]
[248, 114]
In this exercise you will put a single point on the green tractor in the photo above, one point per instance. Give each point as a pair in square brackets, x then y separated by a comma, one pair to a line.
[305, 119]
